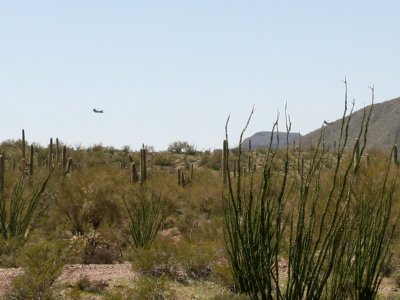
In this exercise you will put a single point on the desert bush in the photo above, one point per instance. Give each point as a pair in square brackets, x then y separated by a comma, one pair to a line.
[92, 248]
[181, 260]
[84, 284]
[87, 199]
[180, 147]
[153, 288]
[42, 264]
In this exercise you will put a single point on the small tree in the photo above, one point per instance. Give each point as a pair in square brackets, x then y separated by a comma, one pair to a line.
[180, 147]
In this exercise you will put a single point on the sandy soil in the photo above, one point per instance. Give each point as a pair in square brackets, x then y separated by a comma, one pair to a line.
[72, 273]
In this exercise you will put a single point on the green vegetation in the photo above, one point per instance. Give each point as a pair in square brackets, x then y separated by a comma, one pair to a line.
[278, 223]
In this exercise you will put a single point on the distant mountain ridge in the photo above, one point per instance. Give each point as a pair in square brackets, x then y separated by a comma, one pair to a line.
[383, 130]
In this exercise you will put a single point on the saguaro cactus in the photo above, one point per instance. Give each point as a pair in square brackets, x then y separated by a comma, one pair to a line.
[2, 171]
[57, 153]
[64, 157]
[143, 165]
[395, 158]
[50, 158]
[69, 165]
[134, 175]
[31, 161]
[23, 144]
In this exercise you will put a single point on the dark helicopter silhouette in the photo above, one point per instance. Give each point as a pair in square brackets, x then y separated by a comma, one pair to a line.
[98, 111]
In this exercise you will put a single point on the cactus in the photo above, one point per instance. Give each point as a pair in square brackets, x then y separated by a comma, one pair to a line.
[64, 157]
[143, 165]
[31, 161]
[134, 175]
[2, 171]
[23, 144]
[183, 179]
[395, 159]
[69, 166]
[249, 145]
[50, 158]
[179, 176]
[57, 153]
[191, 171]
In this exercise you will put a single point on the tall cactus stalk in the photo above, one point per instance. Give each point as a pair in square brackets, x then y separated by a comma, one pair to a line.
[134, 175]
[2, 171]
[31, 161]
[69, 166]
[50, 159]
[57, 153]
[143, 165]
[64, 157]
[23, 144]
[395, 159]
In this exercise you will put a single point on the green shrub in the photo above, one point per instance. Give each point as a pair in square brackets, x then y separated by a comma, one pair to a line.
[153, 288]
[146, 213]
[42, 264]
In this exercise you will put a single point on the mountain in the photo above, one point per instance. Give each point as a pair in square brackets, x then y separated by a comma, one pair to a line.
[383, 130]
[262, 139]
[384, 127]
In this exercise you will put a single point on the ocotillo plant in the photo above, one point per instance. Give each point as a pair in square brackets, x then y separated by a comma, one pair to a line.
[146, 213]
[224, 163]
[254, 224]
[22, 166]
[20, 212]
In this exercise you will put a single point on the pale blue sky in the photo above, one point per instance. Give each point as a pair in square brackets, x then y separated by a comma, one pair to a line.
[173, 70]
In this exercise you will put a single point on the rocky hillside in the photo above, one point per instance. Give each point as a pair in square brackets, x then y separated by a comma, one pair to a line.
[384, 127]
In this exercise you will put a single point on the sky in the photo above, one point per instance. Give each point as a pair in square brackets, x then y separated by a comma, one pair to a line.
[166, 71]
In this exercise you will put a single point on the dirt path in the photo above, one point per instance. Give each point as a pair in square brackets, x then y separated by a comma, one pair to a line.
[72, 273]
